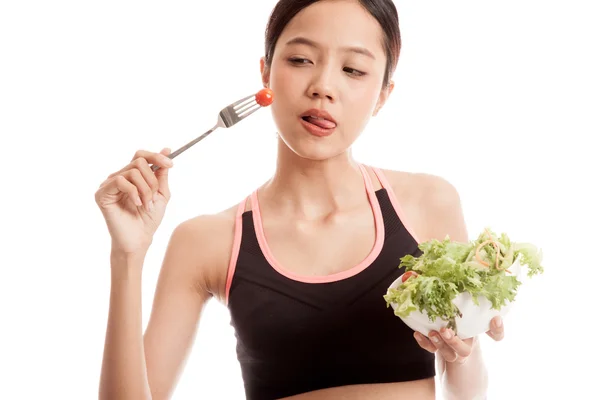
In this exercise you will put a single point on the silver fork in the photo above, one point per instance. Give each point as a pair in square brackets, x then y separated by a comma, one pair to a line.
[228, 116]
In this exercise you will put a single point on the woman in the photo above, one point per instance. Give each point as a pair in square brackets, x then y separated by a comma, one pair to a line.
[304, 261]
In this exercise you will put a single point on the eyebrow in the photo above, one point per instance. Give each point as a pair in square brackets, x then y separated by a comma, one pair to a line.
[311, 43]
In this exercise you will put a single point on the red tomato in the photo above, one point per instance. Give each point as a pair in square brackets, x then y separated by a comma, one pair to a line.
[264, 97]
[407, 275]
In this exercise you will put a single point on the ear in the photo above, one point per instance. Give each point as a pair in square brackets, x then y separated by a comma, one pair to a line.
[264, 72]
[383, 96]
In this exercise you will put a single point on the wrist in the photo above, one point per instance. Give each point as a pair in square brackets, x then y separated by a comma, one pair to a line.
[117, 253]
[124, 264]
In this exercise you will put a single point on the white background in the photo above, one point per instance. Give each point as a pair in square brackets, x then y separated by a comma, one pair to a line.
[500, 98]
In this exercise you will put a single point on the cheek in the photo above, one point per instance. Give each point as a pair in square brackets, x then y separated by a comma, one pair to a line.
[360, 101]
[281, 78]
[285, 88]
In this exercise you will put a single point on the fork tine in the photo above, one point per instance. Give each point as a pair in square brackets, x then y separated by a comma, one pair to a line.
[241, 101]
[244, 107]
[249, 111]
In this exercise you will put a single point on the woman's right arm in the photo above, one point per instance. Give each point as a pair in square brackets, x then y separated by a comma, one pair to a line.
[147, 366]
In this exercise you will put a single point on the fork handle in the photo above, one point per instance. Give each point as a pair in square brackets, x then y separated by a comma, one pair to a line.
[187, 146]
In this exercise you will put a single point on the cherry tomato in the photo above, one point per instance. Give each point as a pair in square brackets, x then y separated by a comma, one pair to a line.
[407, 275]
[264, 97]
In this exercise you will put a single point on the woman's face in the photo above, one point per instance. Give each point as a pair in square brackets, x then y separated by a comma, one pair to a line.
[329, 59]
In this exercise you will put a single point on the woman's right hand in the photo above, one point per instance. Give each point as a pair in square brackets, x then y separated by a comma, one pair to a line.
[133, 201]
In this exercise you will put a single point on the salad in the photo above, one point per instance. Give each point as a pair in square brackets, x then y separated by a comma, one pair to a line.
[447, 269]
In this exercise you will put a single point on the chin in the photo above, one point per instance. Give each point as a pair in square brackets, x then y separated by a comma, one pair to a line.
[314, 149]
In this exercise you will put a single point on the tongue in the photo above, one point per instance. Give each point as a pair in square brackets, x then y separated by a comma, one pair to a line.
[323, 123]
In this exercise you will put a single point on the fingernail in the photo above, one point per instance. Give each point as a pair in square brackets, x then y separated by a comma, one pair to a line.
[151, 205]
[498, 323]
[447, 334]
[168, 161]
[138, 201]
[155, 197]
[435, 339]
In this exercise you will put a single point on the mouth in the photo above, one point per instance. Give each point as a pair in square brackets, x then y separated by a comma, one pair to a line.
[318, 122]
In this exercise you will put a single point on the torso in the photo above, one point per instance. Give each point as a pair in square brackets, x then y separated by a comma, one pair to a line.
[354, 234]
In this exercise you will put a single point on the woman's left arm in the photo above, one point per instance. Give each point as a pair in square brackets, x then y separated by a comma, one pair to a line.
[461, 366]
[462, 370]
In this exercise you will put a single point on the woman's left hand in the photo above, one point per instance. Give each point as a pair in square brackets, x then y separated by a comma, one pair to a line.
[451, 347]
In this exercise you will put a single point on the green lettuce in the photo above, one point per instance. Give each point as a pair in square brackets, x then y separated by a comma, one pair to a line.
[447, 268]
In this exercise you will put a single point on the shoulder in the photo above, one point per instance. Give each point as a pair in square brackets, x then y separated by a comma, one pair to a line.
[205, 225]
[205, 241]
[432, 204]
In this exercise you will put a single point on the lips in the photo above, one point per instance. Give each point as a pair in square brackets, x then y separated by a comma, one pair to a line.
[320, 118]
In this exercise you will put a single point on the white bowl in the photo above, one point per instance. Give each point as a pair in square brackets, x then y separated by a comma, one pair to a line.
[475, 319]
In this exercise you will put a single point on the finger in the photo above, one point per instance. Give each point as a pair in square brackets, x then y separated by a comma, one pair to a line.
[135, 177]
[424, 342]
[445, 351]
[160, 159]
[154, 158]
[459, 346]
[121, 184]
[460, 360]
[496, 331]
[142, 165]
[127, 187]
[162, 175]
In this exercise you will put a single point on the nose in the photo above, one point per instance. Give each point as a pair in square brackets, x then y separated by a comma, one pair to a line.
[322, 92]
[321, 86]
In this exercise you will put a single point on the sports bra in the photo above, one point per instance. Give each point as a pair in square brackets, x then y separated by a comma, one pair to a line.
[297, 333]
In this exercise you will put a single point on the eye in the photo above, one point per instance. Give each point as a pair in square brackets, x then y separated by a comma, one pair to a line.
[354, 72]
[299, 60]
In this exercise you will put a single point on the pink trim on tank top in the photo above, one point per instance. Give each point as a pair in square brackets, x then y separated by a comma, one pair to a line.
[395, 203]
[235, 248]
[376, 249]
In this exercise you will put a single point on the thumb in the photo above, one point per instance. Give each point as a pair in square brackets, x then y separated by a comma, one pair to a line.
[162, 174]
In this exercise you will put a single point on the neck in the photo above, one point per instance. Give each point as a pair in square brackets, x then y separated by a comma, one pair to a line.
[313, 189]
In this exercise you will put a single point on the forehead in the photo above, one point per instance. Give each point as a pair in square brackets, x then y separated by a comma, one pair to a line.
[337, 23]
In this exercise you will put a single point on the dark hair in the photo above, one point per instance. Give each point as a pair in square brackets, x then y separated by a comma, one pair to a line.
[384, 11]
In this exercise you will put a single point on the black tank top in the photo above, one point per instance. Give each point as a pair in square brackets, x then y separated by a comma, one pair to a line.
[297, 334]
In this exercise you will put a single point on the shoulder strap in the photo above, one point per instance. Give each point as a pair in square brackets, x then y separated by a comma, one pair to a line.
[235, 248]
[395, 203]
